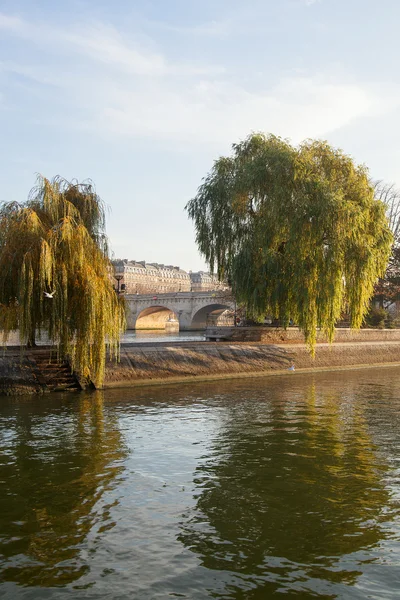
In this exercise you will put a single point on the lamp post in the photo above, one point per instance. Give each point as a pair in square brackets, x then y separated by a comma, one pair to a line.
[118, 278]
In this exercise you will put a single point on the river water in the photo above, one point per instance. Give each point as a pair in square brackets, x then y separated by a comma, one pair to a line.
[280, 486]
[154, 336]
[129, 337]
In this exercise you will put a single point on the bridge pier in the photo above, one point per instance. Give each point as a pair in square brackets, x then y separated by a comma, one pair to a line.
[131, 314]
[185, 320]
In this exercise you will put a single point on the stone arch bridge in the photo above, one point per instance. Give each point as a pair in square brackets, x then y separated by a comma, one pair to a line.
[189, 308]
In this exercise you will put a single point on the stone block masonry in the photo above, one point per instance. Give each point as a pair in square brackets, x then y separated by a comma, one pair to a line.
[148, 364]
[151, 364]
[277, 335]
[17, 374]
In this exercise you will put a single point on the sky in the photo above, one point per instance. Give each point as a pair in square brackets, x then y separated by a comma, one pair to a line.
[141, 96]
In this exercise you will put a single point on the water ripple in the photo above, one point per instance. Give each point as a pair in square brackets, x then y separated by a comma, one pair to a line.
[231, 490]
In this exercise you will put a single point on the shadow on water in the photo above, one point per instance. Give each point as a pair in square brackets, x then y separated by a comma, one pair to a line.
[55, 466]
[293, 499]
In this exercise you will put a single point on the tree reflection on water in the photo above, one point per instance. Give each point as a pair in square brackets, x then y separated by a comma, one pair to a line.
[56, 466]
[291, 488]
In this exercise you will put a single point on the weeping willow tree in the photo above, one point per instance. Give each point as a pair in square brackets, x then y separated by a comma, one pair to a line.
[55, 274]
[297, 231]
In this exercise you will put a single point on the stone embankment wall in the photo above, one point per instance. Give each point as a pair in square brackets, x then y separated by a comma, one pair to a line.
[276, 335]
[159, 364]
[17, 374]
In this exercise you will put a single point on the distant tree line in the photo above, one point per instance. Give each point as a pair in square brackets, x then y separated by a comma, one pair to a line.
[387, 290]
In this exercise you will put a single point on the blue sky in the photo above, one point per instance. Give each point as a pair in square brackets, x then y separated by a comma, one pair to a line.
[142, 96]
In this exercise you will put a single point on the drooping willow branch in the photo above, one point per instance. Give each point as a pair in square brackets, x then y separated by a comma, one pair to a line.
[297, 230]
[55, 244]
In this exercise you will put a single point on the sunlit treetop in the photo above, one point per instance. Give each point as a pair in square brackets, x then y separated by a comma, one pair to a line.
[297, 231]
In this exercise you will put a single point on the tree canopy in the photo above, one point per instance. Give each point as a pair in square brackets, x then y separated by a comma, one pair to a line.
[55, 274]
[298, 231]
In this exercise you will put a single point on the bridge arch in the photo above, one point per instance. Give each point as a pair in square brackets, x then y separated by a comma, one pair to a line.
[199, 318]
[154, 317]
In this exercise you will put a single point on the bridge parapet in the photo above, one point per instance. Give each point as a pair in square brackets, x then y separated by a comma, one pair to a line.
[212, 294]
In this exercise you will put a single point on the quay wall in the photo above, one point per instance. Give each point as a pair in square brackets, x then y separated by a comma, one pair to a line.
[17, 374]
[159, 364]
[276, 335]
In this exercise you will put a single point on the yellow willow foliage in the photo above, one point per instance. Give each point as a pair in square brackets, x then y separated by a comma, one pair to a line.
[55, 243]
[46, 263]
[297, 231]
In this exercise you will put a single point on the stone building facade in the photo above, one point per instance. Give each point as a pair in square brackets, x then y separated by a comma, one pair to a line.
[139, 277]
[205, 282]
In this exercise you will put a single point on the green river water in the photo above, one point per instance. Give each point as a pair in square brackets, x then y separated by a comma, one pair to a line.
[274, 487]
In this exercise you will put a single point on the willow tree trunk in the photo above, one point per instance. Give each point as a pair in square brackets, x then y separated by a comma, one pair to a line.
[31, 342]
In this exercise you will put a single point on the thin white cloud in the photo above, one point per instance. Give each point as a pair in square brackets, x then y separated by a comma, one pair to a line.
[162, 99]
[297, 107]
[11, 23]
[217, 29]
[104, 44]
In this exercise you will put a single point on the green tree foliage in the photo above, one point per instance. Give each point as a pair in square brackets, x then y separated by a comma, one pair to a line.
[297, 231]
[55, 243]
[387, 290]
